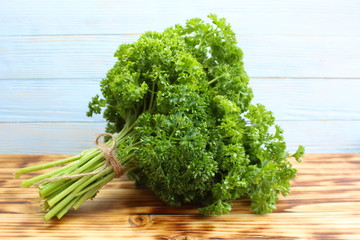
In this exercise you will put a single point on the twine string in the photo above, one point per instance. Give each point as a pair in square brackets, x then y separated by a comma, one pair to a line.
[109, 154]
[110, 158]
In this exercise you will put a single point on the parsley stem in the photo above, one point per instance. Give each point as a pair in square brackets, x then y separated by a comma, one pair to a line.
[65, 209]
[93, 190]
[82, 165]
[216, 78]
[59, 162]
[54, 210]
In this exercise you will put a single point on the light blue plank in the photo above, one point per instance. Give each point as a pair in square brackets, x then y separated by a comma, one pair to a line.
[47, 100]
[59, 56]
[56, 100]
[284, 17]
[264, 56]
[72, 138]
[48, 138]
[309, 99]
[323, 136]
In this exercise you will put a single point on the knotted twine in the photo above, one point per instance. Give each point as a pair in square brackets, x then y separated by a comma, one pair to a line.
[109, 154]
[110, 158]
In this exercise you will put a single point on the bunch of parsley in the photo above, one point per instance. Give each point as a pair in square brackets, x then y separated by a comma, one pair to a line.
[180, 106]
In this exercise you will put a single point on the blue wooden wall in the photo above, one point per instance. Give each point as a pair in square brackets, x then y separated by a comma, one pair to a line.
[303, 58]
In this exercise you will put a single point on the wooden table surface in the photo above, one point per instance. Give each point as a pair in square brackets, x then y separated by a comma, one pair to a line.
[324, 204]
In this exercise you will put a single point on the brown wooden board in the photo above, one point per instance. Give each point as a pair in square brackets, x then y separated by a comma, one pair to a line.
[324, 204]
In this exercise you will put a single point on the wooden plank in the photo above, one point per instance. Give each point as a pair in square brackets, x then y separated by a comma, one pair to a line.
[307, 17]
[47, 100]
[90, 57]
[317, 208]
[49, 138]
[74, 137]
[54, 100]
[323, 136]
[309, 99]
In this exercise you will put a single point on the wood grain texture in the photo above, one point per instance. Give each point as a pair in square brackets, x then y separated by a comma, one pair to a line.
[281, 17]
[324, 204]
[303, 58]
[91, 56]
[289, 99]
[74, 137]
[49, 138]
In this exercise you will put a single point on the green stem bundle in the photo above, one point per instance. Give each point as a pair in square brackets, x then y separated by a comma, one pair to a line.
[61, 190]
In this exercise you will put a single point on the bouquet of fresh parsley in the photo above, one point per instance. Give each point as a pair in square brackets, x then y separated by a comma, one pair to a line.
[179, 106]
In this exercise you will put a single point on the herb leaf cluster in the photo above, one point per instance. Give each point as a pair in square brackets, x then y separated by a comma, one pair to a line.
[180, 107]
[200, 140]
